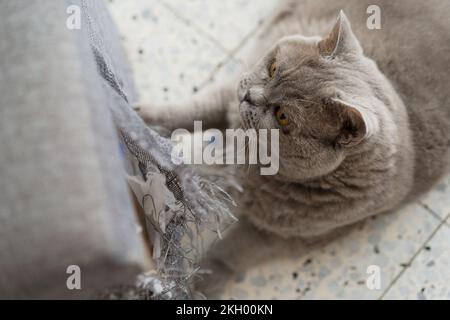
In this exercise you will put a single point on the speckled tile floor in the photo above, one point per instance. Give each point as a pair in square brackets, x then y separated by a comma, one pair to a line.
[176, 47]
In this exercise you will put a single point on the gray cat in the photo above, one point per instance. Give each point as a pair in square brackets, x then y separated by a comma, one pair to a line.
[364, 117]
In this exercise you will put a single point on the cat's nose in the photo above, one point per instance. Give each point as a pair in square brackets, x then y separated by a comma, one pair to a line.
[247, 97]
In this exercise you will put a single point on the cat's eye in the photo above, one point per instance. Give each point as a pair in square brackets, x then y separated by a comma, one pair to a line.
[272, 69]
[281, 117]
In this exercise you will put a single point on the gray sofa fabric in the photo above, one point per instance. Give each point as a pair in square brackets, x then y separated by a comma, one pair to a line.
[63, 195]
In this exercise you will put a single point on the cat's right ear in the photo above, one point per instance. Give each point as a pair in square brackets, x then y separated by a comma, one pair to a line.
[341, 39]
[354, 124]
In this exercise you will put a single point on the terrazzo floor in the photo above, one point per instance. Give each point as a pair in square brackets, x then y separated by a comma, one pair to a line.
[176, 48]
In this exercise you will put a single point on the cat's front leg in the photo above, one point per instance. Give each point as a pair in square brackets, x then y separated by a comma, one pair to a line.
[209, 106]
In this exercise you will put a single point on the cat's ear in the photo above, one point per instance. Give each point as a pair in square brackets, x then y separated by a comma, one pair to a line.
[354, 124]
[341, 39]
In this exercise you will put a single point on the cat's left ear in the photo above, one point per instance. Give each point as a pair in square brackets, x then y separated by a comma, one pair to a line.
[354, 124]
[341, 39]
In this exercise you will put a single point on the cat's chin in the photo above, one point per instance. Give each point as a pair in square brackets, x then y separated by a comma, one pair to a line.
[244, 113]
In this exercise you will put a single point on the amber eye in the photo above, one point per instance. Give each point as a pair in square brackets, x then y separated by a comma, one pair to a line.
[272, 69]
[281, 117]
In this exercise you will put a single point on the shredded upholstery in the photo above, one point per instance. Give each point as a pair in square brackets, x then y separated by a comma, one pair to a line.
[178, 200]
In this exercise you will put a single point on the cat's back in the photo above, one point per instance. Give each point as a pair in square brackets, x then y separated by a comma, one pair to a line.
[412, 49]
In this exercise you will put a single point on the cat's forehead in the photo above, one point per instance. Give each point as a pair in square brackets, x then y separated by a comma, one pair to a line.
[293, 47]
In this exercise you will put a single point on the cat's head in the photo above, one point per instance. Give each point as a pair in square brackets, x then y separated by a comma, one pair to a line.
[322, 95]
